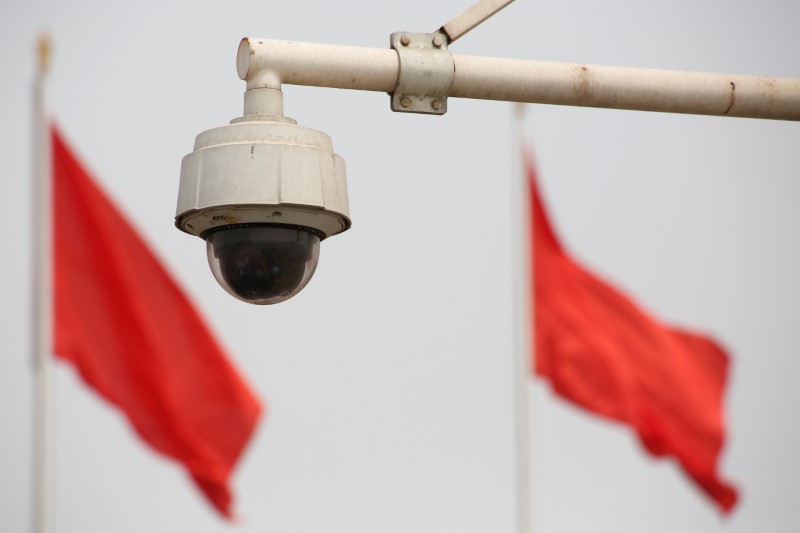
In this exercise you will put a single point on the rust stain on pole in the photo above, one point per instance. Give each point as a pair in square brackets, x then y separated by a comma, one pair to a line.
[733, 98]
[584, 91]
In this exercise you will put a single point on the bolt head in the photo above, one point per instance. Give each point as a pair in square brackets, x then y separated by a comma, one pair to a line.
[405, 101]
[437, 104]
[437, 41]
[405, 40]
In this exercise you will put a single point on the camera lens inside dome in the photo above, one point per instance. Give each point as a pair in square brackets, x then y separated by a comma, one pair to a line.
[263, 264]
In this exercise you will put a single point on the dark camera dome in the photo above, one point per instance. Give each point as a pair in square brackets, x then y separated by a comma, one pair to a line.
[262, 264]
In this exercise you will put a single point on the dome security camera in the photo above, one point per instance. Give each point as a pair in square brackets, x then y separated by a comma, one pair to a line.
[263, 193]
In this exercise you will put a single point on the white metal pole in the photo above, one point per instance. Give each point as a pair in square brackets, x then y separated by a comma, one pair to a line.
[41, 329]
[269, 63]
[626, 88]
[522, 367]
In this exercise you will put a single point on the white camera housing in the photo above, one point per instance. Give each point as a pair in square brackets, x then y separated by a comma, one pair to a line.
[263, 171]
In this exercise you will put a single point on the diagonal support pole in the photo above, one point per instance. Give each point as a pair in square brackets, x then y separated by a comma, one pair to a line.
[472, 17]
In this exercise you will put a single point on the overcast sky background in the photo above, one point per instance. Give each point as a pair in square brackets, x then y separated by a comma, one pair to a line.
[388, 379]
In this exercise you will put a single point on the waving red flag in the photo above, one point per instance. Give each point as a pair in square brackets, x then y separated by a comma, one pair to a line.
[137, 340]
[600, 350]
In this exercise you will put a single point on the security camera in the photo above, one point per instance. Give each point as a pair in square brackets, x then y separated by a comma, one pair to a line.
[263, 193]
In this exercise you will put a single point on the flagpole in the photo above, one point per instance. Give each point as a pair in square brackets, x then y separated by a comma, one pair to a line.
[523, 312]
[41, 330]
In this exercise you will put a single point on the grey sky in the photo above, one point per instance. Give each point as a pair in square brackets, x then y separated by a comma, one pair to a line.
[388, 379]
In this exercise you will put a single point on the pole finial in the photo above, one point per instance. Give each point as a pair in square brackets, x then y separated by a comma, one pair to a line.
[43, 49]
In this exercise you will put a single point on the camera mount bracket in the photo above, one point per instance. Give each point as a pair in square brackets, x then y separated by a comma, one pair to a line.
[427, 68]
[426, 73]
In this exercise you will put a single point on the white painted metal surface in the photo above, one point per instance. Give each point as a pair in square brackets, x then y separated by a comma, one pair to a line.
[268, 63]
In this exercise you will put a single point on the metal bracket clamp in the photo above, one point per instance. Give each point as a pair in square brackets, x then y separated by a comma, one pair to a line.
[426, 73]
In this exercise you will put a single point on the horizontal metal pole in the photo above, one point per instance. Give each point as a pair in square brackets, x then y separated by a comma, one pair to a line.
[268, 63]
[626, 88]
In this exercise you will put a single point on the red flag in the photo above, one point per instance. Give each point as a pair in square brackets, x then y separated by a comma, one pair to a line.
[137, 340]
[601, 351]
